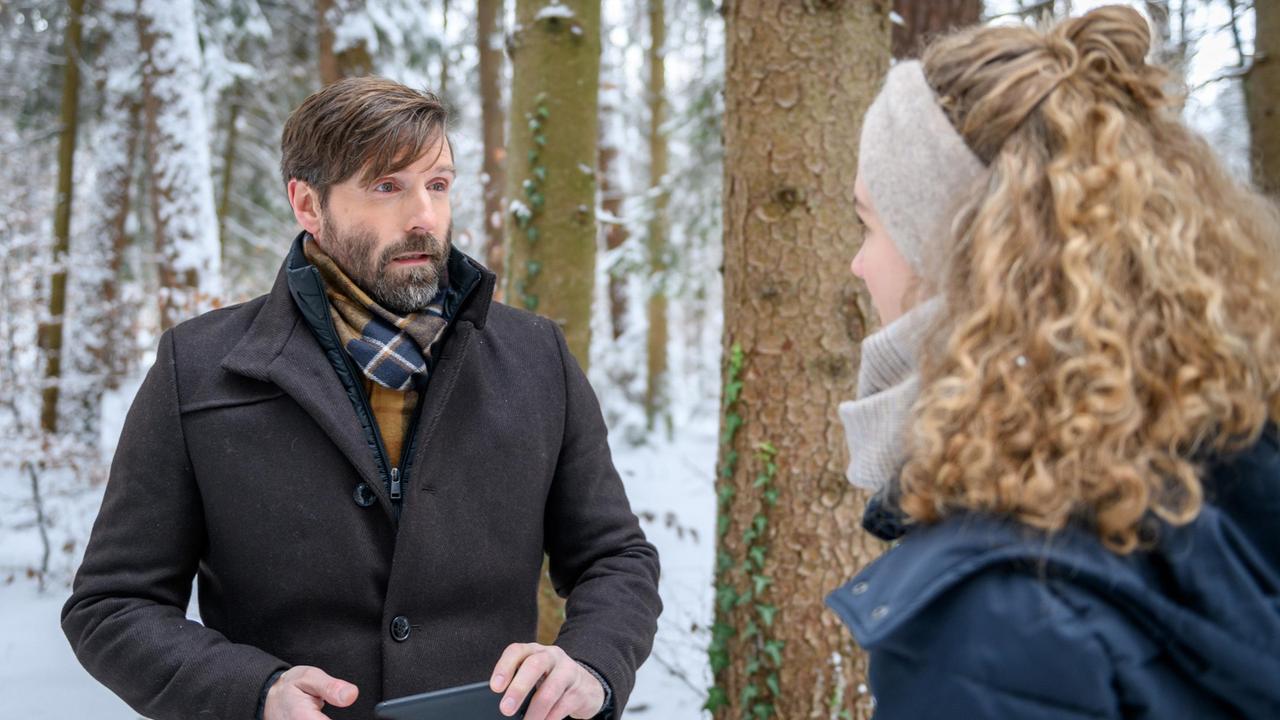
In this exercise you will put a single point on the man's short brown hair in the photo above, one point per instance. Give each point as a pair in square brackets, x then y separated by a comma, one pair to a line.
[364, 124]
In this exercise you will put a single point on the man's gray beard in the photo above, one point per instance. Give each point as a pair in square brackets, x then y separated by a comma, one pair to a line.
[416, 288]
[413, 295]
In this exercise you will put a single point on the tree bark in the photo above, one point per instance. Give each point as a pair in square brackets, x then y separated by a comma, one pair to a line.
[656, 377]
[234, 101]
[111, 326]
[798, 79]
[1262, 99]
[552, 140]
[612, 193]
[924, 20]
[493, 121]
[353, 61]
[444, 49]
[182, 204]
[551, 230]
[50, 331]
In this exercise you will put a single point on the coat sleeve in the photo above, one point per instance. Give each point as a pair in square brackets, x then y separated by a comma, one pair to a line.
[126, 616]
[599, 558]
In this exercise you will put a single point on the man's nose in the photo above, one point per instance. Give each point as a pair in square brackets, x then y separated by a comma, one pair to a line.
[424, 216]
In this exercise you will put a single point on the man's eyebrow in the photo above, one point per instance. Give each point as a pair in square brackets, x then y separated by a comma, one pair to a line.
[444, 169]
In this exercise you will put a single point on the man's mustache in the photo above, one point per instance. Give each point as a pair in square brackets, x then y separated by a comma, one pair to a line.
[417, 244]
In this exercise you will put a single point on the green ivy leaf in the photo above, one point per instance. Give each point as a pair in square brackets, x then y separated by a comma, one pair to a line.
[732, 391]
[766, 613]
[773, 648]
[725, 493]
[760, 582]
[716, 699]
[726, 597]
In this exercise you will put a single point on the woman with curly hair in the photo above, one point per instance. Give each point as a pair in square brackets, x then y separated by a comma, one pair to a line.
[1085, 464]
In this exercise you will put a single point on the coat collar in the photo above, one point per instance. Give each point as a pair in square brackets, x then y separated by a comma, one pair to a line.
[279, 347]
[276, 319]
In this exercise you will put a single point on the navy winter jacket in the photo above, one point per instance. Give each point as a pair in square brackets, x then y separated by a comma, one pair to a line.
[978, 617]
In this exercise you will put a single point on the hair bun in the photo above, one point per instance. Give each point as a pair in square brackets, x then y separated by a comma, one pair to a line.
[1109, 39]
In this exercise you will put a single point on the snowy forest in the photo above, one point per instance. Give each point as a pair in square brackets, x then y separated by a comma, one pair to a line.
[670, 180]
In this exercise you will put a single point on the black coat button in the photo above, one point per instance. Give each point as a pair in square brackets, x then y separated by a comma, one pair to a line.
[400, 628]
[363, 495]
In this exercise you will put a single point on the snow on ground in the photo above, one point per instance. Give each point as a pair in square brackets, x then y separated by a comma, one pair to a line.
[670, 484]
[41, 677]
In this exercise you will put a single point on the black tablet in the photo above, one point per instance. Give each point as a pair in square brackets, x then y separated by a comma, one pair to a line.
[464, 702]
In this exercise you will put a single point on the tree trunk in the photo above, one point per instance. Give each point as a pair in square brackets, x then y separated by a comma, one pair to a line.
[612, 193]
[182, 206]
[493, 121]
[551, 236]
[50, 331]
[656, 377]
[110, 325]
[113, 340]
[353, 61]
[235, 99]
[444, 49]
[1262, 99]
[924, 20]
[797, 82]
[554, 115]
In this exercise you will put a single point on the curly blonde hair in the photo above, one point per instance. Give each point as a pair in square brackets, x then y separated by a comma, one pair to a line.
[1112, 299]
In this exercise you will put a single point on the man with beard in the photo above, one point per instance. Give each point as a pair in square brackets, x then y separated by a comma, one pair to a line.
[364, 468]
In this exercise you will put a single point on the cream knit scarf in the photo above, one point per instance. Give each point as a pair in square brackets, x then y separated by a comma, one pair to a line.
[888, 384]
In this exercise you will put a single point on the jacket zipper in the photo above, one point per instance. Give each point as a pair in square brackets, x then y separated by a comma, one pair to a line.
[391, 479]
[395, 488]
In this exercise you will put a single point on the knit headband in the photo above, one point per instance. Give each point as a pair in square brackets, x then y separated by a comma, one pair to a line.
[915, 165]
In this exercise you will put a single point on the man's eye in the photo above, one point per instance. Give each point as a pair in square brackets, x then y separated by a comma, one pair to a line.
[387, 186]
[439, 186]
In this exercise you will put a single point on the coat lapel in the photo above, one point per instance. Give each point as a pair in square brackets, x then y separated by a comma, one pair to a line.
[279, 348]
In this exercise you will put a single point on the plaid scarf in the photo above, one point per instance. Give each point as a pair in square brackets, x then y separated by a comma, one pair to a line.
[392, 350]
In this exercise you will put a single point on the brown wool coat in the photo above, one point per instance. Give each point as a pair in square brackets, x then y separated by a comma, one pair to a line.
[237, 464]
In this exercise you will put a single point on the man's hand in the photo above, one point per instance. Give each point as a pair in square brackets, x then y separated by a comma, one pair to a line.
[568, 690]
[302, 691]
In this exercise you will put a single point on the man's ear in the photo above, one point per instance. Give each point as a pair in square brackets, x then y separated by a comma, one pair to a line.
[305, 201]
